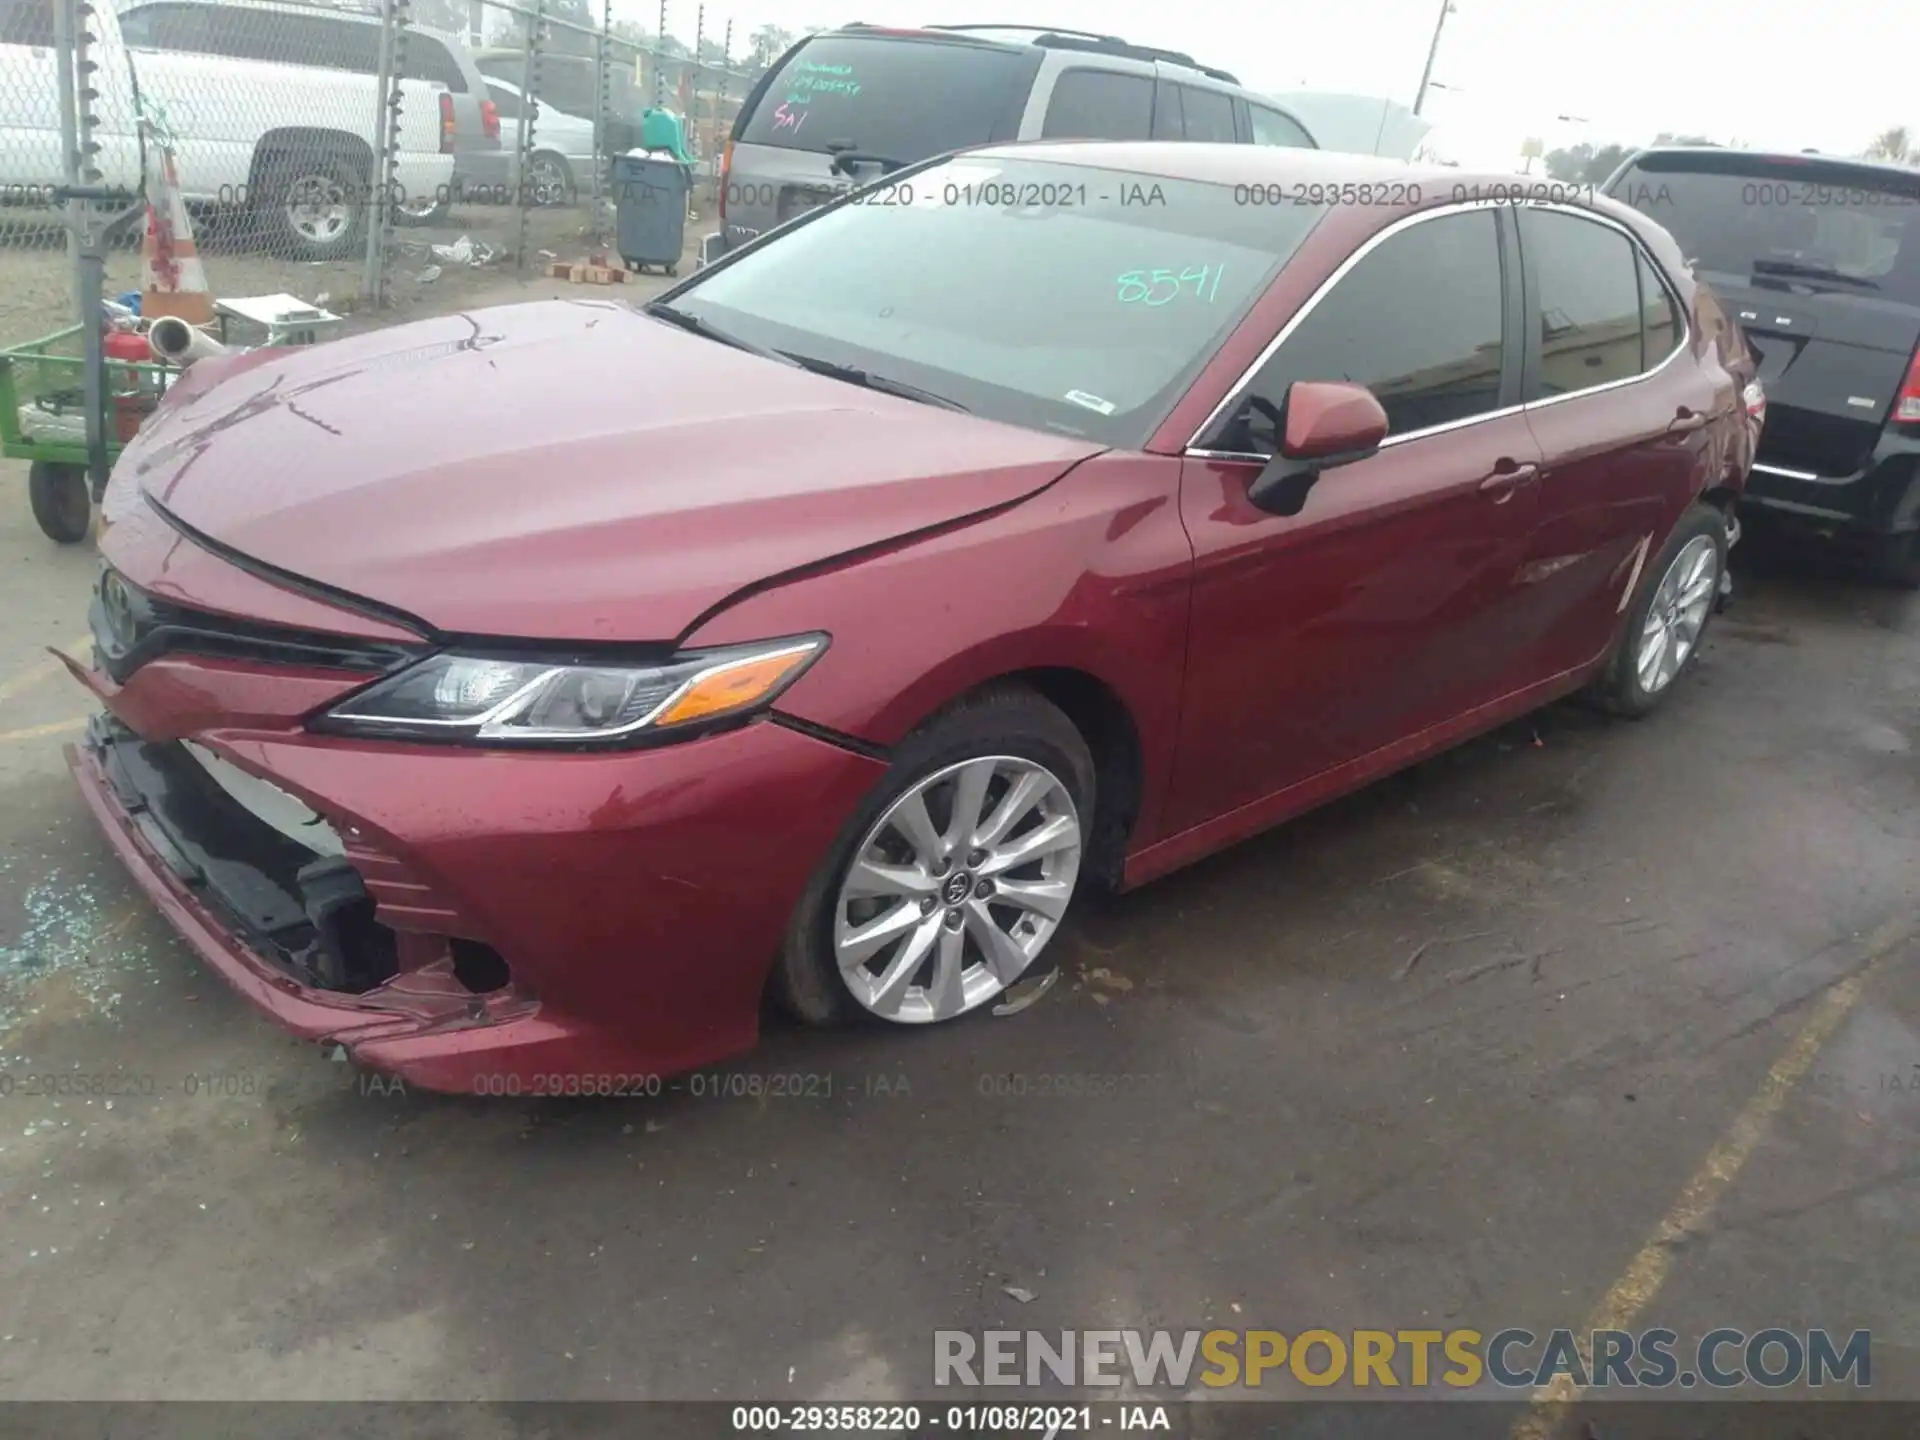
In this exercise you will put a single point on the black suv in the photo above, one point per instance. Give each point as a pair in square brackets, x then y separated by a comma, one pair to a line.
[1819, 258]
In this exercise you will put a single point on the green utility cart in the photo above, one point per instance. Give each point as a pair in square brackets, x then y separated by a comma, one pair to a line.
[43, 420]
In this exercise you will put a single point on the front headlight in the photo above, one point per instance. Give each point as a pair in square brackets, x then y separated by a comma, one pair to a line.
[515, 701]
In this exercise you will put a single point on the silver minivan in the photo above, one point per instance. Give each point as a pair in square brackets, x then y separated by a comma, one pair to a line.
[845, 106]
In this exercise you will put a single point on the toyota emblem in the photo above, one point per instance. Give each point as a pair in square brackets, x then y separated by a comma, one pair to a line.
[116, 603]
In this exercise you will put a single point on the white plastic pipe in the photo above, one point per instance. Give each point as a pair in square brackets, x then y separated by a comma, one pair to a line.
[176, 342]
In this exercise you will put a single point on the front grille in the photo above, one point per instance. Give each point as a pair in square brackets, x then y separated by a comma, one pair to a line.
[131, 627]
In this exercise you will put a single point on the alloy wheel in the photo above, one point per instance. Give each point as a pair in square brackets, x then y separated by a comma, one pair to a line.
[956, 889]
[547, 181]
[1678, 612]
[319, 209]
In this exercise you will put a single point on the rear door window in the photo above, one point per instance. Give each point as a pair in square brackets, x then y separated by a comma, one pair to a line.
[567, 86]
[1829, 227]
[1099, 105]
[1168, 123]
[1589, 282]
[1208, 114]
[1660, 318]
[1270, 127]
[900, 98]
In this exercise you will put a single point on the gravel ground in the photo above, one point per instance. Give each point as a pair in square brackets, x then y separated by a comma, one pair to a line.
[35, 271]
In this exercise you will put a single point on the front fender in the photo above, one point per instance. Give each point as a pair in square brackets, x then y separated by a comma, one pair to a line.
[1092, 575]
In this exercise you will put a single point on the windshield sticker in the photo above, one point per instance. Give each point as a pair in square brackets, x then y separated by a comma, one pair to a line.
[1091, 402]
[1163, 287]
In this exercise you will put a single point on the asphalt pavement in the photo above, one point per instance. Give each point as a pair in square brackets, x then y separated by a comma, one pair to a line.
[1587, 1018]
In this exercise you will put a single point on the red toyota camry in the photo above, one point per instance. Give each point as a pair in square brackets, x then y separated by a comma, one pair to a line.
[524, 694]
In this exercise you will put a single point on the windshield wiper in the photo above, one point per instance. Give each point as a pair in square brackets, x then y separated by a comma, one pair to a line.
[853, 375]
[688, 321]
[1794, 269]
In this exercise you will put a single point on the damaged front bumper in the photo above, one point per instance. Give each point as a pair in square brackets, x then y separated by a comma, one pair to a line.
[291, 928]
[636, 898]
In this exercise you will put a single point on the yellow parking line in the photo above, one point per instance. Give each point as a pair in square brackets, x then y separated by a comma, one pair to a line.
[39, 671]
[1698, 1198]
[34, 732]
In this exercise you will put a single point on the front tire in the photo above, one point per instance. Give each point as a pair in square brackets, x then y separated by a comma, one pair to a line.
[62, 506]
[953, 876]
[1678, 594]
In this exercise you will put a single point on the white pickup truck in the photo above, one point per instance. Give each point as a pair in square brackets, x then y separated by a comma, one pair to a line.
[261, 120]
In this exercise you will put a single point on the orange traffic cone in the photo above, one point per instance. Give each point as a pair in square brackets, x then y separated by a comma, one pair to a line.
[174, 282]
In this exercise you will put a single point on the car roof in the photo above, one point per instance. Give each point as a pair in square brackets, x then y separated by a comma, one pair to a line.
[1427, 185]
[268, 7]
[1219, 163]
[1736, 155]
[1045, 37]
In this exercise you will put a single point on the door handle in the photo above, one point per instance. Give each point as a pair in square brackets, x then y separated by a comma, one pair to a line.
[1688, 421]
[1505, 478]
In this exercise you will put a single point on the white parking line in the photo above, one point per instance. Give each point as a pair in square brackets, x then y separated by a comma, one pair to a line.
[35, 673]
[34, 732]
[1630, 1295]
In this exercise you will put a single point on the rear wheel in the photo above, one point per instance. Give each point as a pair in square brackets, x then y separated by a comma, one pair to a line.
[954, 876]
[549, 179]
[315, 205]
[1669, 615]
[61, 505]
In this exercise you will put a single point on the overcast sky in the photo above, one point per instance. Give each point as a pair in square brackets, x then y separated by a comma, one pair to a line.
[1827, 75]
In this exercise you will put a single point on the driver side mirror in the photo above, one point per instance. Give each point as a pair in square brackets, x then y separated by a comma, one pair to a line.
[1325, 424]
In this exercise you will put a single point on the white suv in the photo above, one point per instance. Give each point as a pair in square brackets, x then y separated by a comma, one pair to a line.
[845, 106]
[290, 139]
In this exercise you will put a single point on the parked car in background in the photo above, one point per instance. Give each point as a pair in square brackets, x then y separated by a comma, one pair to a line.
[231, 71]
[846, 105]
[1357, 124]
[292, 142]
[560, 150]
[1819, 259]
[953, 557]
[571, 84]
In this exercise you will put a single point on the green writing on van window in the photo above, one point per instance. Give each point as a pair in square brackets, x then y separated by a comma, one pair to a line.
[808, 79]
[803, 87]
[1163, 287]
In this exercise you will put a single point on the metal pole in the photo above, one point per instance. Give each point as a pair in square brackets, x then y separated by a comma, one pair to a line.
[602, 99]
[63, 29]
[659, 55]
[720, 104]
[88, 267]
[371, 280]
[529, 77]
[1426, 75]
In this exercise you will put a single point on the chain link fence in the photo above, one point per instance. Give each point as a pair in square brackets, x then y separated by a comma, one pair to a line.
[389, 153]
[554, 96]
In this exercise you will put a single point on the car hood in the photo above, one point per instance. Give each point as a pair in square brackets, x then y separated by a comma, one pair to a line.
[560, 470]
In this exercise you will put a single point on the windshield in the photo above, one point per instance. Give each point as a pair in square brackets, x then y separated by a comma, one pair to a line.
[1062, 297]
[1786, 225]
[903, 99]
